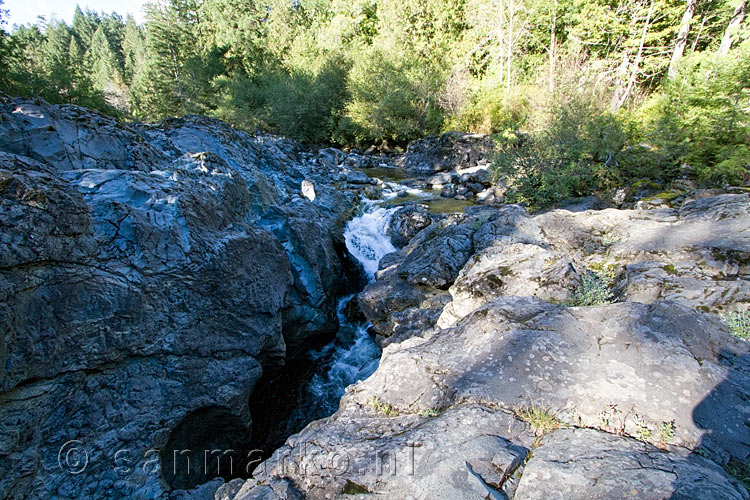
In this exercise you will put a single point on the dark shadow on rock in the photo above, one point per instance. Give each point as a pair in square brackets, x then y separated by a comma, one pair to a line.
[727, 438]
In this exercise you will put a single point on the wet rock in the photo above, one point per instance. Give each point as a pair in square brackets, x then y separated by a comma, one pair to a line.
[437, 254]
[449, 191]
[331, 156]
[479, 175]
[148, 275]
[406, 222]
[357, 177]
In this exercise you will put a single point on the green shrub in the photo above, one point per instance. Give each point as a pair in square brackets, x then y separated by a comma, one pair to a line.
[593, 290]
[305, 104]
[489, 110]
[739, 323]
[572, 152]
[392, 99]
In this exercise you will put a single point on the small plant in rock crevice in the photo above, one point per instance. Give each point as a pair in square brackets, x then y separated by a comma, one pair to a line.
[593, 290]
[642, 432]
[385, 409]
[667, 431]
[428, 413]
[739, 323]
[541, 419]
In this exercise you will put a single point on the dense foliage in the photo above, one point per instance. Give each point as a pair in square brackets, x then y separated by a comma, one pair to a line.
[584, 95]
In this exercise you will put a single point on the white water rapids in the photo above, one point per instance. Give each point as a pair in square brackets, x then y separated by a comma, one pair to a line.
[366, 237]
[353, 355]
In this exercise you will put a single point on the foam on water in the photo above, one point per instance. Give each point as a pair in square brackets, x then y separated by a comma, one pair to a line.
[366, 237]
[353, 355]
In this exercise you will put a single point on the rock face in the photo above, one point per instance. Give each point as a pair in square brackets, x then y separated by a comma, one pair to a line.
[449, 151]
[494, 383]
[586, 464]
[407, 222]
[147, 274]
[452, 409]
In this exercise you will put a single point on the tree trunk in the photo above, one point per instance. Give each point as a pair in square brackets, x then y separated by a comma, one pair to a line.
[700, 31]
[621, 95]
[511, 15]
[682, 36]
[732, 28]
[552, 54]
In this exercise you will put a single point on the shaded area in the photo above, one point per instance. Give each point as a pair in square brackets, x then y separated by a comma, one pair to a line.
[208, 443]
[734, 455]
[288, 398]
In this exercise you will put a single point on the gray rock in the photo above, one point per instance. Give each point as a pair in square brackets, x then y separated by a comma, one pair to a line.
[406, 222]
[578, 464]
[331, 156]
[69, 137]
[437, 254]
[449, 151]
[651, 363]
[466, 452]
[357, 177]
[229, 490]
[147, 274]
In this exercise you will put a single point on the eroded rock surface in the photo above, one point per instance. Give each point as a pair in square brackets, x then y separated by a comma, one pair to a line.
[147, 274]
[646, 397]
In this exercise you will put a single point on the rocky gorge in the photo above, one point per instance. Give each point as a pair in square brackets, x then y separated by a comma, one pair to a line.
[159, 280]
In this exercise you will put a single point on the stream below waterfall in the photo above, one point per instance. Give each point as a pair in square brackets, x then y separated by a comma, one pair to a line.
[311, 388]
[288, 398]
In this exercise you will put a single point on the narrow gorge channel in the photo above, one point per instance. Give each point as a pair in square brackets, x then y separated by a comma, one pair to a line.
[305, 388]
[310, 388]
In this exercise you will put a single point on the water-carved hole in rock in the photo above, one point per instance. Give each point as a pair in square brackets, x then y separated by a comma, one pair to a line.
[208, 443]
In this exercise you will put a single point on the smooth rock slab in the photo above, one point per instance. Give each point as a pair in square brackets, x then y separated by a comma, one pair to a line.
[468, 452]
[619, 367]
[584, 464]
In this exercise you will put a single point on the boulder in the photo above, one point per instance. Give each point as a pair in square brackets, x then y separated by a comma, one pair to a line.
[446, 152]
[437, 254]
[623, 368]
[406, 222]
[584, 464]
[466, 452]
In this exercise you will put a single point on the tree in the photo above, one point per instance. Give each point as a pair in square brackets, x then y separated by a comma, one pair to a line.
[174, 80]
[632, 70]
[682, 36]
[732, 28]
[133, 49]
[84, 26]
[57, 63]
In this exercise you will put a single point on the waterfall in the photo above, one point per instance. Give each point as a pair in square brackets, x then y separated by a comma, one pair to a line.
[319, 380]
[366, 237]
[353, 355]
